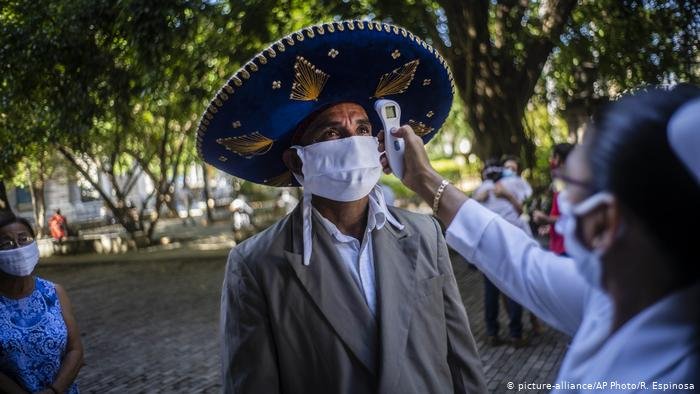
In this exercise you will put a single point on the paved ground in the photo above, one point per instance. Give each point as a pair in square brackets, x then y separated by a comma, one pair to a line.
[151, 326]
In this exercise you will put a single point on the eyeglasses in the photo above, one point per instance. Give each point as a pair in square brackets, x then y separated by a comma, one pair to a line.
[22, 240]
[559, 174]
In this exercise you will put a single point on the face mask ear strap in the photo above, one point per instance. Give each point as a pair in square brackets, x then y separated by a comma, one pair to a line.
[300, 153]
[591, 202]
[307, 233]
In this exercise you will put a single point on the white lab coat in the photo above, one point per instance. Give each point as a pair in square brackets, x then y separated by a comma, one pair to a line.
[660, 344]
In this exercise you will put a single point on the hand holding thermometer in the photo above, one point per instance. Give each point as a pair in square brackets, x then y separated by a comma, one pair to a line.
[390, 114]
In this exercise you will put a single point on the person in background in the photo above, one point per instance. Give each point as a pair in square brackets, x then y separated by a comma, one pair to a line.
[58, 226]
[512, 180]
[40, 348]
[556, 240]
[287, 202]
[628, 295]
[503, 192]
[524, 191]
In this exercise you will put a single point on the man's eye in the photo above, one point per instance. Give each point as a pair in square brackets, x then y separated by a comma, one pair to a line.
[330, 133]
[24, 239]
[364, 130]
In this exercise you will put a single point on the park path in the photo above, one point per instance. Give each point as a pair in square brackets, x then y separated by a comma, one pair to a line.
[150, 325]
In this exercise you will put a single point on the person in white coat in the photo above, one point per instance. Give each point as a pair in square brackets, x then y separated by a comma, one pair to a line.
[628, 294]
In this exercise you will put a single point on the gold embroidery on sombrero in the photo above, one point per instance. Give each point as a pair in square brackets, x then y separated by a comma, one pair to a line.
[420, 128]
[284, 179]
[398, 80]
[249, 145]
[308, 81]
[390, 83]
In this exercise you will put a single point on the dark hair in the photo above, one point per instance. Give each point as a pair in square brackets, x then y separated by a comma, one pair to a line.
[629, 153]
[562, 150]
[492, 169]
[9, 217]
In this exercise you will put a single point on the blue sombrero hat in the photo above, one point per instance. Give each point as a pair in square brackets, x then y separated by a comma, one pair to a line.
[252, 119]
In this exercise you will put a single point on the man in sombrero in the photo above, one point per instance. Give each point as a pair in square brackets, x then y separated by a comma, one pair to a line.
[344, 294]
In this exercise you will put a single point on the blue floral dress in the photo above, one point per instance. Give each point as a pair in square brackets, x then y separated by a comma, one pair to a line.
[33, 338]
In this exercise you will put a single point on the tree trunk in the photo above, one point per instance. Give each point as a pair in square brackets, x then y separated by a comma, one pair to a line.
[498, 129]
[36, 189]
[493, 82]
[119, 209]
[154, 221]
[4, 201]
[207, 197]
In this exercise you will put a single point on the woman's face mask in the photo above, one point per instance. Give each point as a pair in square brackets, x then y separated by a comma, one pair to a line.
[19, 261]
[588, 262]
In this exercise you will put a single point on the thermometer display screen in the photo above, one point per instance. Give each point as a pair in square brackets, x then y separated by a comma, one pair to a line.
[390, 112]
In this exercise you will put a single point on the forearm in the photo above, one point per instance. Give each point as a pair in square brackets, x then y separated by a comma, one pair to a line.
[450, 201]
[545, 283]
[480, 195]
[9, 386]
[70, 366]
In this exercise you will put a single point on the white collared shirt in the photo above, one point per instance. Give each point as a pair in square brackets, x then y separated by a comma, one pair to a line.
[357, 256]
[657, 345]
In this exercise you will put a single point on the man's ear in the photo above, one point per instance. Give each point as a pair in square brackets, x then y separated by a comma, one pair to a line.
[292, 161]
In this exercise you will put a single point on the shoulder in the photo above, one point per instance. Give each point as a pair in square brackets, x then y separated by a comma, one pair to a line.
[49, 288]
[486, 184]
[46, 286]
[61, 293]
[260, 246]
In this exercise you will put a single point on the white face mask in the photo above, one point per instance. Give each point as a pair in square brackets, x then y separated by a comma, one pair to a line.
[345, 169]
[19, 261]
[588, 262]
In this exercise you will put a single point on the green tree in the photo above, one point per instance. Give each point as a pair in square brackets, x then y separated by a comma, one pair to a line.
[496, 50]
[115, 87]
[610, 47]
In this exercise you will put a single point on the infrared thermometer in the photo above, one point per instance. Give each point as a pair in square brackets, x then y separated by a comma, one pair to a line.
[390, 114]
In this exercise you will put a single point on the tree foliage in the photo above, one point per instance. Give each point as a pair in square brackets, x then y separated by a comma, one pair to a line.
[117, 86]
[609, 47]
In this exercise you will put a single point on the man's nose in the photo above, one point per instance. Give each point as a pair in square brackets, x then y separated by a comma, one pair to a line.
[349, 132]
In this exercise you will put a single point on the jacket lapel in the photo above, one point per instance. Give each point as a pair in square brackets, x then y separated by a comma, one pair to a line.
[395, 253]
[334, 292]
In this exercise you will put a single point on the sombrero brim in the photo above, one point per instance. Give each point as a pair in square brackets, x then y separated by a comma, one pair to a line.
[250, 122]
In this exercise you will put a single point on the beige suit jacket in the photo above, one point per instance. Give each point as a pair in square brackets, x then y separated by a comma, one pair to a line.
[290, 328]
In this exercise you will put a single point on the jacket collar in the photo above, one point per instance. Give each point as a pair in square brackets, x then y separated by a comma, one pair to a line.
[341, 302]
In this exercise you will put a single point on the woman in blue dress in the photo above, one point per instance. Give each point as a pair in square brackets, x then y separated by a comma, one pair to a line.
[40, 348]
